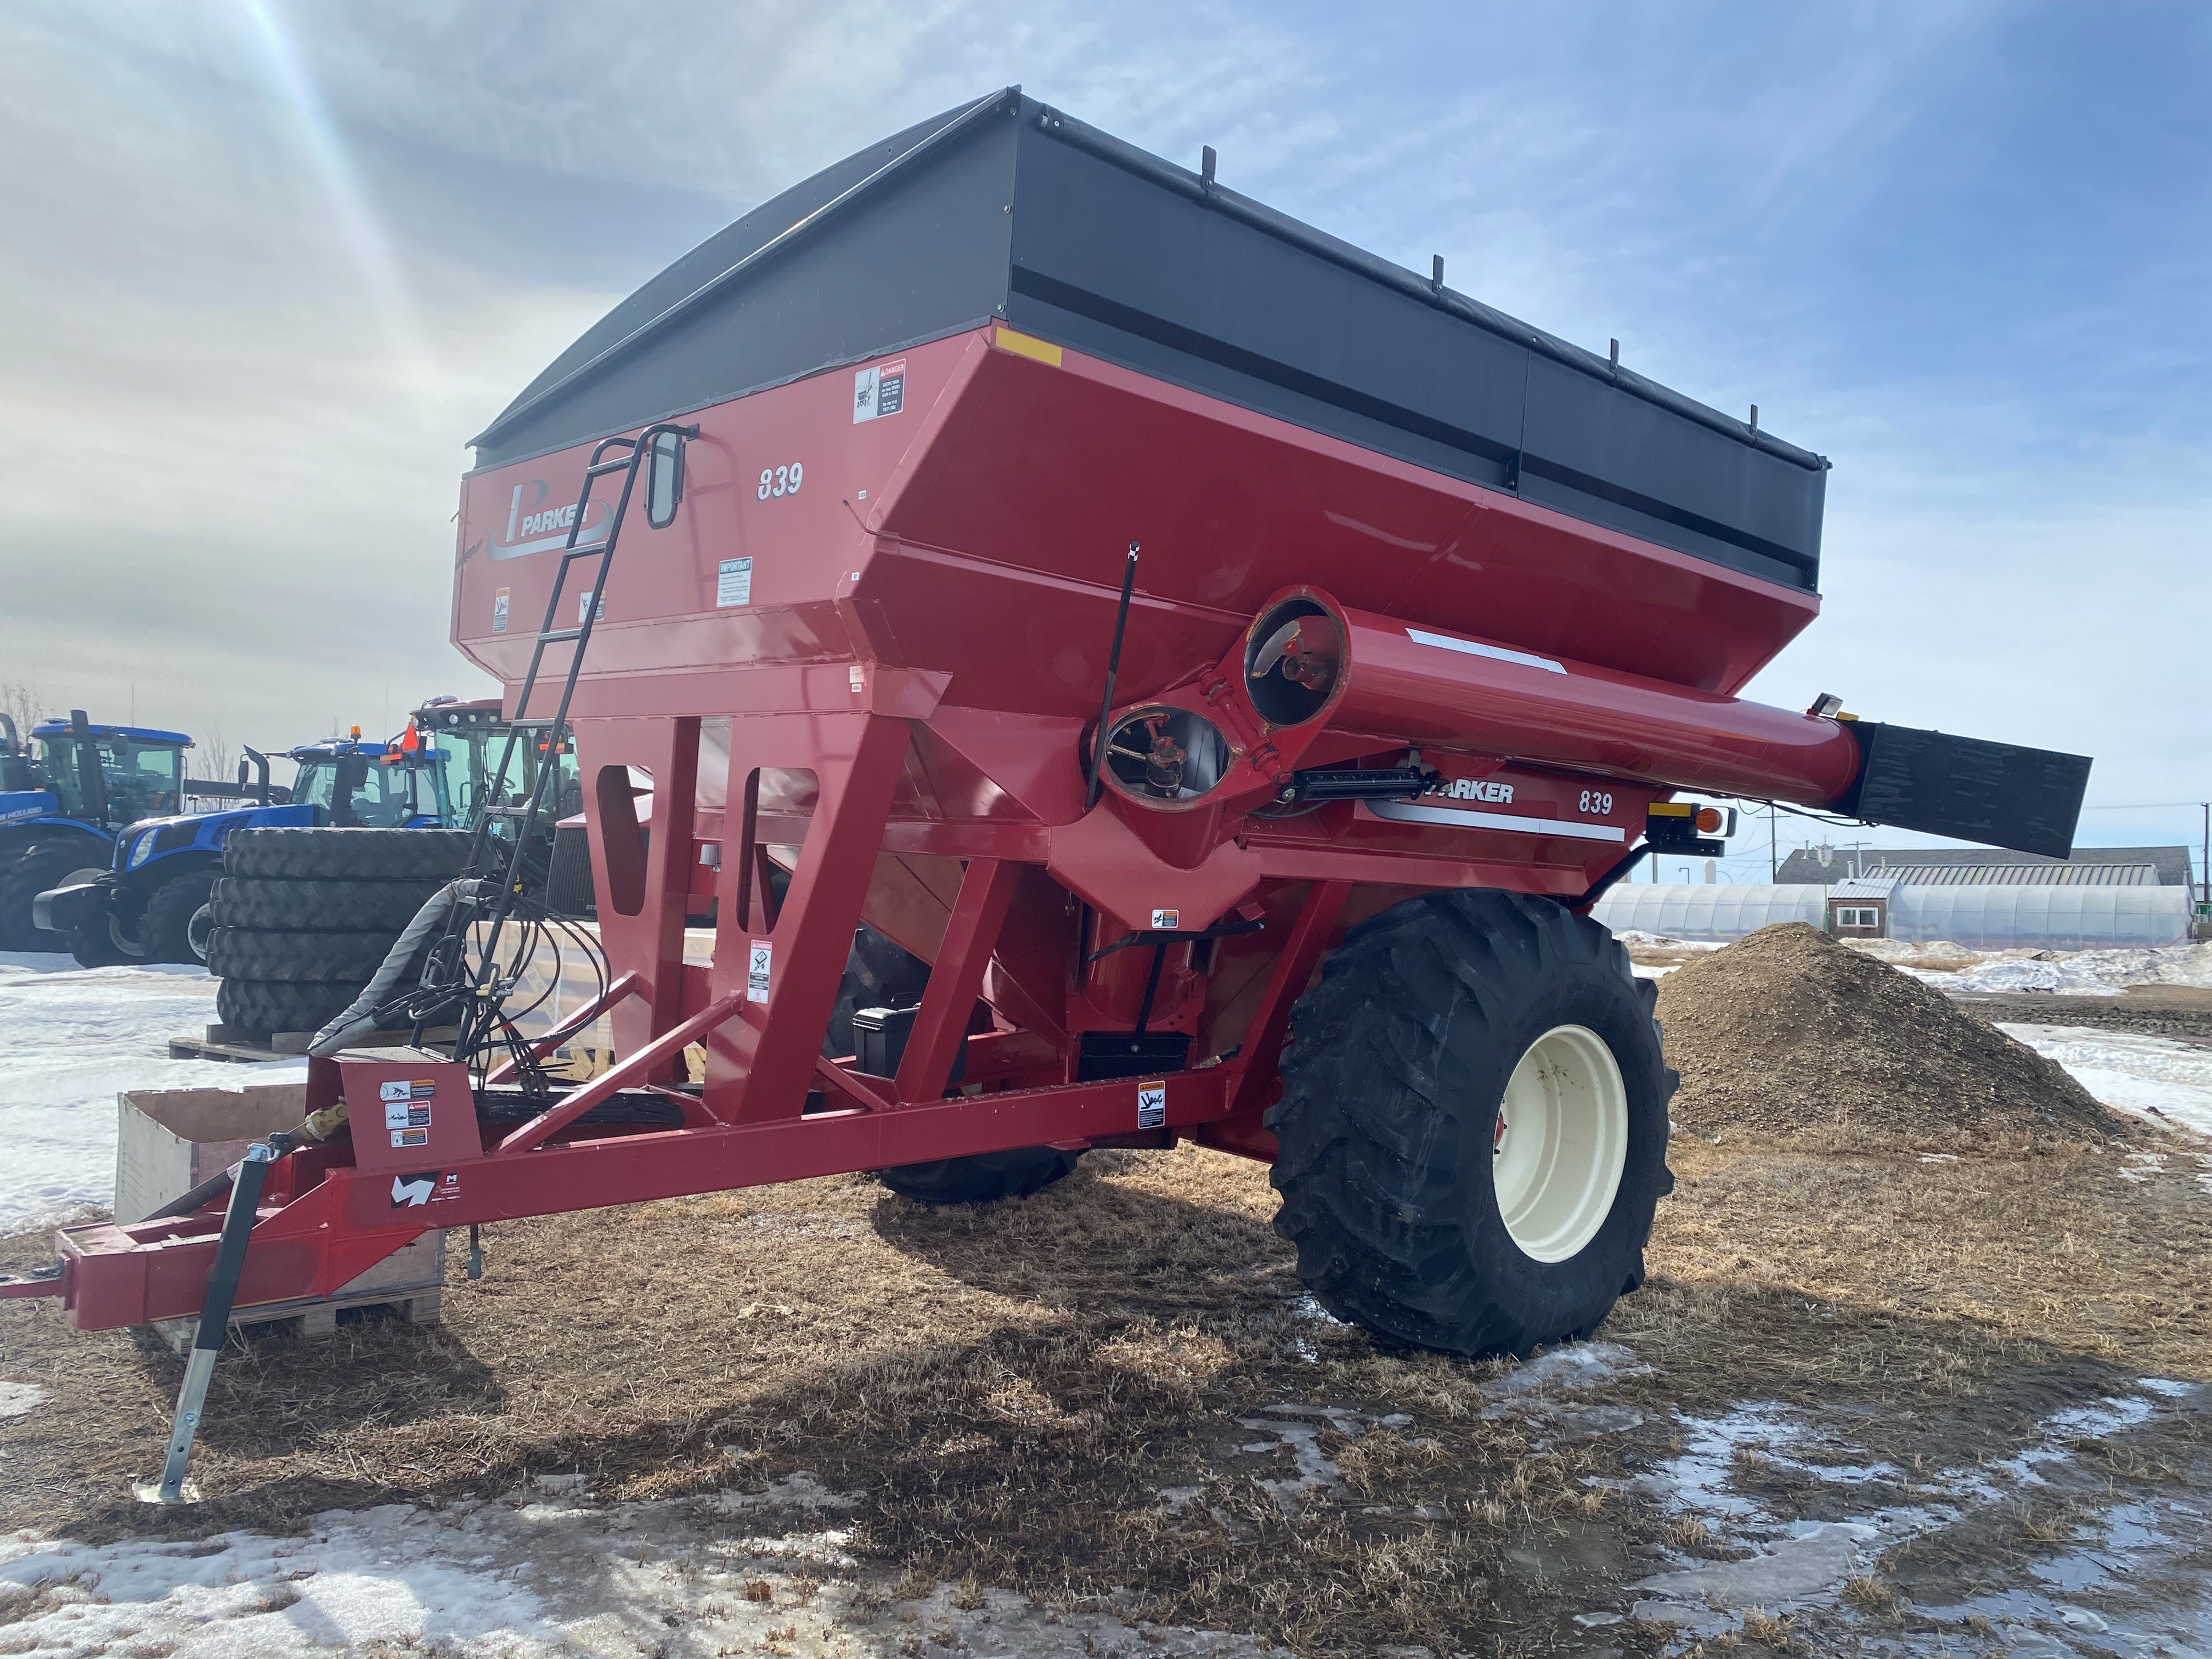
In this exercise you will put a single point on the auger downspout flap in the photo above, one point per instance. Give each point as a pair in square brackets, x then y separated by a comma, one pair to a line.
[890, 753]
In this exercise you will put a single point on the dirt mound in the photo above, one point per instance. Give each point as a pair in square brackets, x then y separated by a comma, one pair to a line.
[1786, 1031]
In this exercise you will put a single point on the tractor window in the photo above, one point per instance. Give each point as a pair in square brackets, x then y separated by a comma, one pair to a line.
[142, 780]
[384, 799]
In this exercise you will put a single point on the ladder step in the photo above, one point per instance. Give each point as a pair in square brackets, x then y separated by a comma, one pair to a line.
[605, 467]
[535, 723]
[583, 549]
[556, 636]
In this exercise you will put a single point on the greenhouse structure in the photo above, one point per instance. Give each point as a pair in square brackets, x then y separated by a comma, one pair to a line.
[1995, 917]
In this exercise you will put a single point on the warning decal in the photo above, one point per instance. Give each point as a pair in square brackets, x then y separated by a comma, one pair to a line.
[1166, 921]
[877, 392]
[420, 1088]
[409, 1115]
[498, 612]
[1151, 1105]
[757, 971]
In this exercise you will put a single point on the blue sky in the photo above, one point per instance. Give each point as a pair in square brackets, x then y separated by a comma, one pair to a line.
[267, 267]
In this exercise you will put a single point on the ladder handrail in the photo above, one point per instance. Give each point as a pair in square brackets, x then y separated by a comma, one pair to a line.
[639, 450]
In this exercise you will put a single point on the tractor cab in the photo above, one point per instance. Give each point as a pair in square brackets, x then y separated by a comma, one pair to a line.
[109, 776]
[470, 739]
[351, 783]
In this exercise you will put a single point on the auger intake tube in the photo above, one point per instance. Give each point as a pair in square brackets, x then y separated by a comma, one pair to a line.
[356, 1019]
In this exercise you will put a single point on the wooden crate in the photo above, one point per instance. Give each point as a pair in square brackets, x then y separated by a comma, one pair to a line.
[167, 1141]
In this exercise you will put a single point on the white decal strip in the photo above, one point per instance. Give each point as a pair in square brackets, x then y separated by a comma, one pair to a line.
[1444, 642]
[1408, 811]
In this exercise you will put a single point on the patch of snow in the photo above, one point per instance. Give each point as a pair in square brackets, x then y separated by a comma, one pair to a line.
[2078, 973]
[1638, 937]
[1803, 1563]
[73, 1038]
[1572, 1366]
[520, 1579]
[20, 1399]
[1812, 1562]
[2146, 1076]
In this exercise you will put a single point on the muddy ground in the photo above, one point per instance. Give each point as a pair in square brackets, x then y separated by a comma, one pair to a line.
[2181, 1013]
[1870, 1401]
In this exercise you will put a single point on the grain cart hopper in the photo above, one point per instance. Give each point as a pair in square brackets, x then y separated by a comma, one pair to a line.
[1410, 626]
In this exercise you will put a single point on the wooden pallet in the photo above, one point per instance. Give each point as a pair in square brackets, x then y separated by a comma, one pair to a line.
[239, 1047]
[310, 1319]
[411, 1281]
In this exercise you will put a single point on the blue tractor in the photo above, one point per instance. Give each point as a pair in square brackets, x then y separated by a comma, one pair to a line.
[65, 795]
[147, 904]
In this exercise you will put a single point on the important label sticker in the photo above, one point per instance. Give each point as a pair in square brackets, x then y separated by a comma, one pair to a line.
[1151, 1105]
[1166, 921]
[733, 582]
[498, 612]
[583, 607]
[878, 391]
[757, 971]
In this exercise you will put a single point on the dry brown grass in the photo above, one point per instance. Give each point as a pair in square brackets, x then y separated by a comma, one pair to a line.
[1011, 1388]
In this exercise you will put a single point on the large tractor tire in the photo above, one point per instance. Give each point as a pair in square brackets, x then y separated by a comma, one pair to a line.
[338, 907]
[165, 925]
[251, 953]
[346, 854]
[263, 1006]
[94, 945]
[1473, 1131]
[30, 871]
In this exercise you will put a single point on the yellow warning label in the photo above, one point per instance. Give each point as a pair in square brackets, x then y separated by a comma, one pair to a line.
[1029, 346]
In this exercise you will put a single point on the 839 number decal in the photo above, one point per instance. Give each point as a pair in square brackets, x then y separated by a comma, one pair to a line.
[780, 480]
[1596, 801]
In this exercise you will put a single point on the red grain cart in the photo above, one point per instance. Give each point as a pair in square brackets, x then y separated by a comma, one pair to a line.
[1432, 617]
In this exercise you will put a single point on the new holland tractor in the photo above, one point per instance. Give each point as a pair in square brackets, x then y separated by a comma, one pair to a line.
[1234, 663]
[149, 903]
[65, 795]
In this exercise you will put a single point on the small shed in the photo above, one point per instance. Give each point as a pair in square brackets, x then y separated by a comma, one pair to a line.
[1860, 909]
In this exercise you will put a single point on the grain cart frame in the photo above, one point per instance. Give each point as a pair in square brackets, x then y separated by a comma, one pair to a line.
[1432, 617]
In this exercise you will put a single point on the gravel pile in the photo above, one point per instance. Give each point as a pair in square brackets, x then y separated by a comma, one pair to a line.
[1787, 1032]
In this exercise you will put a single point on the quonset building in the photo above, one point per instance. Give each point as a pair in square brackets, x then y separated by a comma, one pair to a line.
[1983, 898]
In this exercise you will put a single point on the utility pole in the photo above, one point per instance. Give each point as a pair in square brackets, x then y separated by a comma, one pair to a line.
[1773, 860]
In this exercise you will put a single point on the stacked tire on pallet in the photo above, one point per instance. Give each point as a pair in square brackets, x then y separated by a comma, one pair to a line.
[303, 918]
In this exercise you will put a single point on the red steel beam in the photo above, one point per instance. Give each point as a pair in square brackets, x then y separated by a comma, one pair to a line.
[956, 978]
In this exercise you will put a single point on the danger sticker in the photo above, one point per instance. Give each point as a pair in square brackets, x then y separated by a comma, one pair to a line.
[757, 971]
[411, 1137]
[733, 582]
[878, 391]
[398, 1114]
[1166, 919]
[1151, 1105]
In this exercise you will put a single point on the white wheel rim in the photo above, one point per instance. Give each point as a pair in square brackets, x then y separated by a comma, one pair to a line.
[1561, 1142]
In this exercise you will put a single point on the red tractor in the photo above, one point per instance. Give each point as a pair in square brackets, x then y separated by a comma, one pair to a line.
[1233, 664]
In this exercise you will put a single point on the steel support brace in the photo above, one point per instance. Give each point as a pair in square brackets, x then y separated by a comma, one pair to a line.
[956, 978]
[1254, 1065]
[667, 750]
[785, 975]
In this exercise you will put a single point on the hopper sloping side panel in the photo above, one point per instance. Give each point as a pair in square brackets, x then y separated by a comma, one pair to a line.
[1117, 254]
[921, 255]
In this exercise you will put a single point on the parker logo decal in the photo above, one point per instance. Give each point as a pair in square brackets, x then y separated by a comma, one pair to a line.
[533, 526]
[1487, 789]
